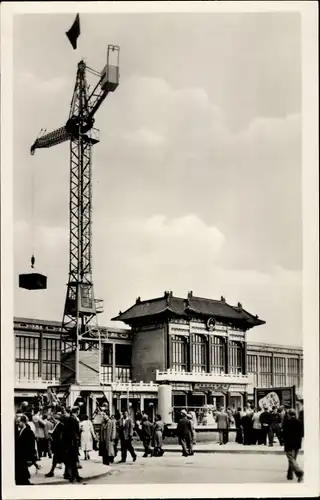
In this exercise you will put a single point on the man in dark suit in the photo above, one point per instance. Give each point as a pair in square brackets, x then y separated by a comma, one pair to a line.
[146, 435]
[292, 433]
[275, 426]
[184, 433]
[24, 451]
[71, 441]
[265, 420]
[222, 420]
[57, 444]
[126, 435]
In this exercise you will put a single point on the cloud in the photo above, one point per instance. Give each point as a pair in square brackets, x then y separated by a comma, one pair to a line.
[182, 198]
[145, 256]
[143, 137]
[48, 87]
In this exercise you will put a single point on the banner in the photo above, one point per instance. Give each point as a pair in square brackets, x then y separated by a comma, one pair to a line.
[275, 396]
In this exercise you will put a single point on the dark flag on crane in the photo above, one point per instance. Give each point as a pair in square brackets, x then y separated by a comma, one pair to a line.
[74, 32]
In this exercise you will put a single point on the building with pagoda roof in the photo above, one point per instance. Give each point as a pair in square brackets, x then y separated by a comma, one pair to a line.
[170, 307]
[196, 345]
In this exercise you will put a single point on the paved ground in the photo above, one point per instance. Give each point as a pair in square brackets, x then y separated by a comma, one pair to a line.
[201, 468]
[211, 463]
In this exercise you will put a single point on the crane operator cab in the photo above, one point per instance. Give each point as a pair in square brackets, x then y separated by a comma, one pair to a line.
[110, 73]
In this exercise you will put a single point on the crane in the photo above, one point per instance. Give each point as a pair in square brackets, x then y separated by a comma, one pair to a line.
[80, 334]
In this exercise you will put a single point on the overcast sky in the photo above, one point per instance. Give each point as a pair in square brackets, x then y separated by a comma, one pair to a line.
[197, 178]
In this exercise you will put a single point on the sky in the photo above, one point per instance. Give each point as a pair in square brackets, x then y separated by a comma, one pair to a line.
[197, 178]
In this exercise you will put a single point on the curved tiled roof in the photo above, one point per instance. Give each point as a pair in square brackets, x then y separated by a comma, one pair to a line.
[180, 307]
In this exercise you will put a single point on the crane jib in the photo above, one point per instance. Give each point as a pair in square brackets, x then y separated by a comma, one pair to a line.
[56, 137]
[63, 134]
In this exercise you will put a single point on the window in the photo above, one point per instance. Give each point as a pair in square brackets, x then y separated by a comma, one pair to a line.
[27, 370]
[51, 371]
[123, 362]
[253, 368]
[217, 354]
[179, 353]
[235, 357]
[279, 368]
[293, 371]
[51, 355]
[199, 358]
[123, 354]
[27, 348]
[301, 371]
[51, 350]
[27, 357]
[107, 354]
[265, 371]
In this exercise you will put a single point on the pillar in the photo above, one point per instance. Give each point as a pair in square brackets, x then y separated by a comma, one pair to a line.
[245, 398]
[244, 358]
[227, 395]
[190, 360]
[227, 355]
[118, 403]
[41, 355]
[141, 403]
[169, 347]
[272, 370]
[299, 371]
[210, 360]
[208, 357]
[165, 403]
[73, 395]
[114, 376]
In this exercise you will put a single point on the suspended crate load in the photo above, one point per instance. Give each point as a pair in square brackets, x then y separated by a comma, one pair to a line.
[33, 281]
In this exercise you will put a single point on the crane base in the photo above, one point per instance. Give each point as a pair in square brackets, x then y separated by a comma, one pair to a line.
[33, 281]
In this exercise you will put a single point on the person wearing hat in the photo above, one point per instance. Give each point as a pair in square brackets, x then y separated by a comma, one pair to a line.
[184, 433]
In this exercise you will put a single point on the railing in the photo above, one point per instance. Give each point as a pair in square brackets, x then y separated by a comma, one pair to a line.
[218, 378]
[35, 383]
[134, 386]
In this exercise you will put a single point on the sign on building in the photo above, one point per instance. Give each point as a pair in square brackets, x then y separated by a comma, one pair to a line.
[276, 396]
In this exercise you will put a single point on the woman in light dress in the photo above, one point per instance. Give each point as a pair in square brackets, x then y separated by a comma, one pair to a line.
[87, 436]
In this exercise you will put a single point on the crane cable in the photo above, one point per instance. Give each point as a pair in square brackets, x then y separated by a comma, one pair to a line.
[32, 215]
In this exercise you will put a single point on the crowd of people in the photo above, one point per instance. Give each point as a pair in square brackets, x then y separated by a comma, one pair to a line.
[261, 426]
[62, 435]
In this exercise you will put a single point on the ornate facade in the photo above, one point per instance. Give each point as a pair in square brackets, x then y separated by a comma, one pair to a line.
[198, 346]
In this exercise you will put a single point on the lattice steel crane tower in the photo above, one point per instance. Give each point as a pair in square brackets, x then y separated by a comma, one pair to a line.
[80, 333]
